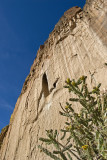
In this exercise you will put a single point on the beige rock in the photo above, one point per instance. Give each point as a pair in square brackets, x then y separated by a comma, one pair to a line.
[77, 46]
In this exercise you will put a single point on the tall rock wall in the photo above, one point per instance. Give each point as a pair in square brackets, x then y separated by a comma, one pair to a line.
[77, 46]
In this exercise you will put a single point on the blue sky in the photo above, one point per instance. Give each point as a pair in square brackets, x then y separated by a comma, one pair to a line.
[24, 26]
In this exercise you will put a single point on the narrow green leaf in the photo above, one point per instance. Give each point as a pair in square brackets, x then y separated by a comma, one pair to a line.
[63, 135]
[63, 156]
[44, 140]
[69, 156]
[74, 99]
[55, 134]
[67, 148]
[49, 153]
[56, 152]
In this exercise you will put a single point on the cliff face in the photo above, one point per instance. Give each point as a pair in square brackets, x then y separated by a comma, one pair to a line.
[77, 46]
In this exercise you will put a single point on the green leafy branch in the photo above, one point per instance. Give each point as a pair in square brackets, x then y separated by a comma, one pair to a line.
[85, 132]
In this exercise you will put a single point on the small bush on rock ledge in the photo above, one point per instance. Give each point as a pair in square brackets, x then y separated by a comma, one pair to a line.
[85, 132]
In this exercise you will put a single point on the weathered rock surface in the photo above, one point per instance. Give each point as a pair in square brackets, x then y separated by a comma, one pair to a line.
[77, 46]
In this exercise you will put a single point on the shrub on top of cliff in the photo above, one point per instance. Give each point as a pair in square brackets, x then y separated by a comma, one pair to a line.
[3, 134]
[85, 132]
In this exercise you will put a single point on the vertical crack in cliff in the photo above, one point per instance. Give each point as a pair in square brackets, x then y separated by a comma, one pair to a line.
[45, 88]
[43, 94]
[38, 105]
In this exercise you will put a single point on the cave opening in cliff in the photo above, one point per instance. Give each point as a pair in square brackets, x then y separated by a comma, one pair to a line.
[45, 86]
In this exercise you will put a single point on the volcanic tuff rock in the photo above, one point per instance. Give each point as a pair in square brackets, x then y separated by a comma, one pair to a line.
[77, 46]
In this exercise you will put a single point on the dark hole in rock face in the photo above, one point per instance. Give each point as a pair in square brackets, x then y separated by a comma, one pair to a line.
[45, 86]
[54, 85]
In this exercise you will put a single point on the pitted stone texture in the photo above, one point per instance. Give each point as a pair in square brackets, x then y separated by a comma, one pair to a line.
[75, 49]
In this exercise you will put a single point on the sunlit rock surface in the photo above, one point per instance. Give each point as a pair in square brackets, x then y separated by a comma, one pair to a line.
[77, 46]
